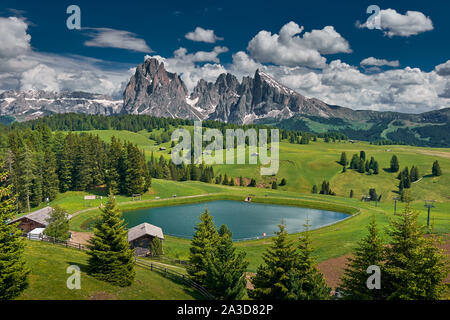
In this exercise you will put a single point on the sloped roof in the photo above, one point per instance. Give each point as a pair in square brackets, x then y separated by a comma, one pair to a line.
[144, 229]
[40, 216]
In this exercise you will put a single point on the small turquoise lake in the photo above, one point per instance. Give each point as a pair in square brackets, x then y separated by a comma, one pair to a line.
[245, 220]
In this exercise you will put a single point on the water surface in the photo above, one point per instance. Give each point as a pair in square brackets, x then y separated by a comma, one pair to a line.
[245, 220]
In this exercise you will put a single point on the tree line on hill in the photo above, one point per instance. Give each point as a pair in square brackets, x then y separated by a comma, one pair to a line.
[41, 164]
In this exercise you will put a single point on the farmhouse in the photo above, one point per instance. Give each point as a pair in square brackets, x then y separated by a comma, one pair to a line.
[141, 236]
[36, 219]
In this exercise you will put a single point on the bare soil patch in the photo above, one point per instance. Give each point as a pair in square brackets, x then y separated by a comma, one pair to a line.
[81, 237]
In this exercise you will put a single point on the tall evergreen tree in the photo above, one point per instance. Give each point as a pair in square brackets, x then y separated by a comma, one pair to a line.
[343, 161]
[369, 252]
[415, 268]
[13, 270]
[225, 269]
[202, 245]
[394, 164]
[273, 278]
[50, 181]
[308, 282]
[110, 256]
[436, 169]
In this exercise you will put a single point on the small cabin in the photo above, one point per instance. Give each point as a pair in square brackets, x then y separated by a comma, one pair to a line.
[141, 236]
[34, 220]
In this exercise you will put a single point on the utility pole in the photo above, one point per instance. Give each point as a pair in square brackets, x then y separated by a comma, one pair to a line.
[429, 204]
[395, 205]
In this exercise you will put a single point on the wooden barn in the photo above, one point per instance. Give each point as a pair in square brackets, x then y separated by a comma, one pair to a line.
[141, 236]
[36, 219]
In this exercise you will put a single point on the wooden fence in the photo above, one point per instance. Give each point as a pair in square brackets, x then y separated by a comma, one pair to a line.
[174, 274]
[148, 265]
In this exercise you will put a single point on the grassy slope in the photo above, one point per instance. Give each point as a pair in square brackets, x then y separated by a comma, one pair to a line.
[302, 166]
[48, 279]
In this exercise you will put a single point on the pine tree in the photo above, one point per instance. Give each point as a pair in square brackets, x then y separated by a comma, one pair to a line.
[273, 278]
[376, 168]
[225, 269]
[115, 174]
[351, 193]
[13, 270]
[26, 176]
[283, 182]
[369, 252]
[58, 224]
[362, 155]
[110, 256]
[274, 185]
[50, 182]
[307, 282]
[361, 167]
[314, 189]
[343, 160]
[436, 170]
[252, 183]
[394, 164]
[202, 244]
[415, 268]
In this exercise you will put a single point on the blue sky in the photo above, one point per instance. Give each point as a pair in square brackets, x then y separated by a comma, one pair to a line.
[162, 27]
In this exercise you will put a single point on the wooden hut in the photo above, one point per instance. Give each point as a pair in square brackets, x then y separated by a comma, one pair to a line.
[36, 219]
[141, 236]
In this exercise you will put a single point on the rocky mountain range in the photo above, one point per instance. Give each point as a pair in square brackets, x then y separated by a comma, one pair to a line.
[26, 105]
[152, 90]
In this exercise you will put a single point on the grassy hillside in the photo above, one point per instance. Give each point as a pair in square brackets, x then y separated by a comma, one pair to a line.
[48, 278]
[306, 165]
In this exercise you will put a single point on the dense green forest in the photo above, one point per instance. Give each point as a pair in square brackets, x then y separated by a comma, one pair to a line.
[42, 163]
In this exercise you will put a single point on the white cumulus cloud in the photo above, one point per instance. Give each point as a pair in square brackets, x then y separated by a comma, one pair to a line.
[14, 39]
[289, 48]
[202, 35]
[411, 23]
[371, 61]
[111, 38]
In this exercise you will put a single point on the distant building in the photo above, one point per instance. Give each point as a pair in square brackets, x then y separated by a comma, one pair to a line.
[141, 236]
[36, 219]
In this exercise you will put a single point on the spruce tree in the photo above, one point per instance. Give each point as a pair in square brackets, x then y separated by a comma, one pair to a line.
[436, 170]
[376, 168]
[369, 252]
[110, 256]
[314, 189]
[415, 268]
[343, 161]
[307, 281]
[202, 244]
[273, 278]
[394, 164]
[13, 270]
[225, 269]
[50, 182]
